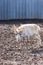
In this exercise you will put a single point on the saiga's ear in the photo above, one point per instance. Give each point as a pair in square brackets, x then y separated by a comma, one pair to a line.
[20, 29]
[20, 24]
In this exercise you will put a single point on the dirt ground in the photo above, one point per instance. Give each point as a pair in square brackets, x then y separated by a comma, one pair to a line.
[13, 53]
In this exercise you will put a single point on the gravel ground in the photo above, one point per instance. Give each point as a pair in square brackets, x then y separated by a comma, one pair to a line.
[13, 53]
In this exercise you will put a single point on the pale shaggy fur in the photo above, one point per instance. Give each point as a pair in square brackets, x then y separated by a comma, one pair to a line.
[27, 30]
